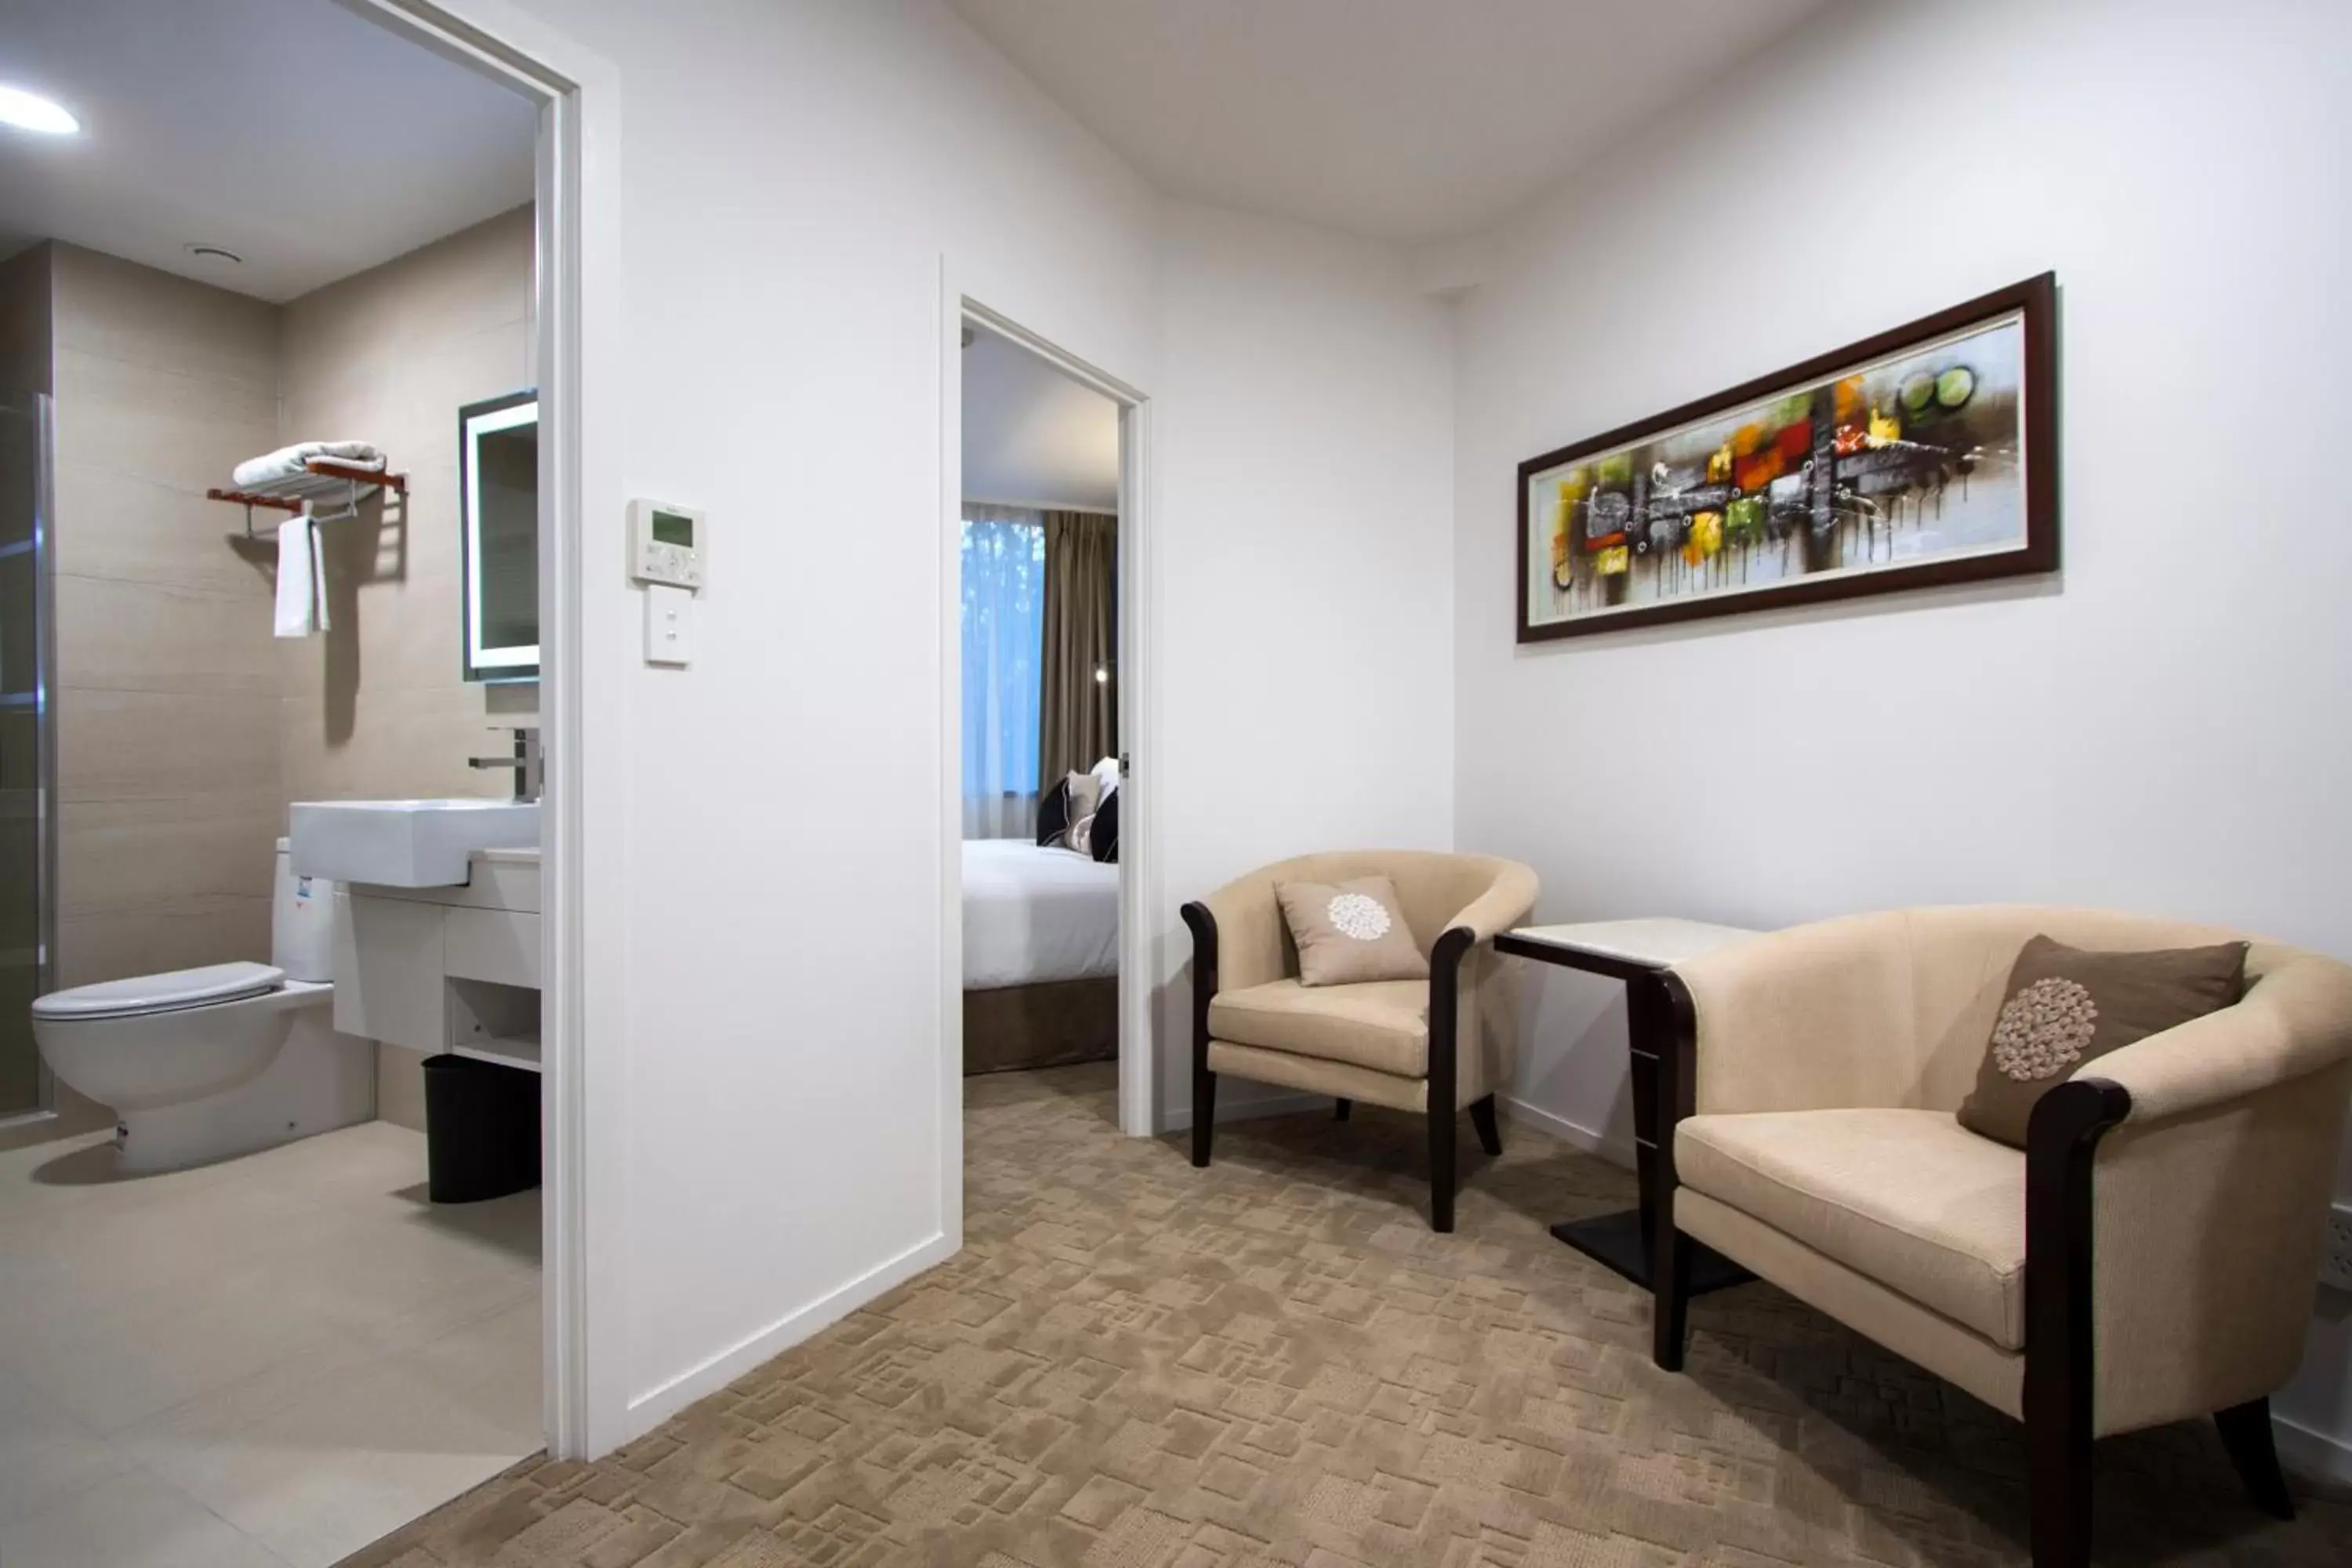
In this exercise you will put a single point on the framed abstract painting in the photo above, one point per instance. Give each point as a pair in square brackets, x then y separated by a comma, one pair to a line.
[1926, 454]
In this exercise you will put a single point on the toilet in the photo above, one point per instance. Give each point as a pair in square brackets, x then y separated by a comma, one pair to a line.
[203, 1064]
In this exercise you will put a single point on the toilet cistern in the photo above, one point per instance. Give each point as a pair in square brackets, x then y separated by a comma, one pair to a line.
[528, 765]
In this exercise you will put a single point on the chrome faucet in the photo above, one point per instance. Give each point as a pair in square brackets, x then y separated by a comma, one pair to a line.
[529, 771]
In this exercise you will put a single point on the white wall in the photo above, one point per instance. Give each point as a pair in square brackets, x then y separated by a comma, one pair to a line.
[792, 178]
[2162, 728]
[1303, 432]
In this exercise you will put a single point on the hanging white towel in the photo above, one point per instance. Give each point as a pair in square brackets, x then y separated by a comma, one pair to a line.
[302, 579]
[317, 576]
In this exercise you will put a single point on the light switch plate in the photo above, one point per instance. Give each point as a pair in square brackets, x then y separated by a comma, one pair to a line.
[669, 626]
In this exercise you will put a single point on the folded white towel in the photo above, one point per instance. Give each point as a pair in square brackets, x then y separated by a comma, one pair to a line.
[302, 579]
[287, 461]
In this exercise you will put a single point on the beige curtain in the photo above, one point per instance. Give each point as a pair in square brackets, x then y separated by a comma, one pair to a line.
[1078, 720]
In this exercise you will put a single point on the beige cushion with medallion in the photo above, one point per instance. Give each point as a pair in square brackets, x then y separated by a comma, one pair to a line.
[1349, 932]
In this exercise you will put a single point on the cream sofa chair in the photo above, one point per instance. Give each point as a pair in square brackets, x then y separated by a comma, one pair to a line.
[1437, 1046]
[2151, 1256]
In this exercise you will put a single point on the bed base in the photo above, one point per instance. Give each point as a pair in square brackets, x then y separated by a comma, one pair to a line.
[1050, 1024]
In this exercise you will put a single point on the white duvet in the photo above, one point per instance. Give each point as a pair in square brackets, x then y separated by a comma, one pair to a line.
[1033, 914]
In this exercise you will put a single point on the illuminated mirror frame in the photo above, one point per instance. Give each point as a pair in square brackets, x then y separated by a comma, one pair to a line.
[475, 420]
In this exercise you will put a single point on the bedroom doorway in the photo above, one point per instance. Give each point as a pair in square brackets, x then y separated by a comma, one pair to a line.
[1042, 719]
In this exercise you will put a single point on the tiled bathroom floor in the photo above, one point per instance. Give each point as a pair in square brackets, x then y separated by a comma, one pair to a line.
[267, 1362]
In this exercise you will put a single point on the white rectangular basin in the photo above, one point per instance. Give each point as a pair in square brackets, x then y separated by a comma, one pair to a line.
[405, 842]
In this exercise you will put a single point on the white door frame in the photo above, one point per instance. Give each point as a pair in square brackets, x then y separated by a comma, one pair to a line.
[584, 1363]
[1139, 718]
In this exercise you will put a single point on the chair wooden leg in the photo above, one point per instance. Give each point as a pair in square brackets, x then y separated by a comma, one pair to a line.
[2246, 1433]
[1482, 1116]
[2060, 1496]
[1670, 1302]
[1205, 1113]
[1441, 1167]
[1340, 1108]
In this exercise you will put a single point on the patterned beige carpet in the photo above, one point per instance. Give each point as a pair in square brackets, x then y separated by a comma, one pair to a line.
[1135, 1364]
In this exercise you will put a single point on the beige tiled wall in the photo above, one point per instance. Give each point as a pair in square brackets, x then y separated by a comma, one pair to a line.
[170, 780]
[378, 707]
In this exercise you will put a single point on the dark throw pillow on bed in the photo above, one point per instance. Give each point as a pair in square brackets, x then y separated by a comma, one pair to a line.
[1103, 843]
[1054, 813]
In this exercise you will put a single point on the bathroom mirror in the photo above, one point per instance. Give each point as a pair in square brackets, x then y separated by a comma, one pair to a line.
[498, 491]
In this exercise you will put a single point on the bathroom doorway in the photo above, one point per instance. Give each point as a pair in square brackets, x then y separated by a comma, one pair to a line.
[254, 1313]
[1048, 986]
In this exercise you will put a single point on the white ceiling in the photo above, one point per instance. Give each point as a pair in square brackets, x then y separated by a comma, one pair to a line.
[311, 142]
[1405, 120]
[1031, 434]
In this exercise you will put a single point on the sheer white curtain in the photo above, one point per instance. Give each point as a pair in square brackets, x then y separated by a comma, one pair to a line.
[1004, 635]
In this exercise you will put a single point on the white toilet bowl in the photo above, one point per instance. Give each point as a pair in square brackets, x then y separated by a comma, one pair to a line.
[161, 1039]
[194, 1062]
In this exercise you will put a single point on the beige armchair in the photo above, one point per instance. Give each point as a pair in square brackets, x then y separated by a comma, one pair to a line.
[1437, 1046]
[2151, 1256]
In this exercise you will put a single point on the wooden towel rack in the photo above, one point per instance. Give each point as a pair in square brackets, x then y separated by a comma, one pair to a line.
[321, 478]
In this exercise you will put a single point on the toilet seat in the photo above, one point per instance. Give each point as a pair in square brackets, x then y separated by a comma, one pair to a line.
[173, 990]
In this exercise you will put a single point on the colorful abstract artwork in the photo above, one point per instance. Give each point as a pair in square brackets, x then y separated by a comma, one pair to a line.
[1926, 454]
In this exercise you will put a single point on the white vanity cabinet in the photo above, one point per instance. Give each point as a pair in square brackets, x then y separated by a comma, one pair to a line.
[444, 969]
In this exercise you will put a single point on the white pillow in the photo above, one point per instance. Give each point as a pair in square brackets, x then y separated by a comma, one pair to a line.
[1084, 797]
[1106, 776]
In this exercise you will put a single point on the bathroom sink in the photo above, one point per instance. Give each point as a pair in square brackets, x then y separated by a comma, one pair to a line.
[405, 842]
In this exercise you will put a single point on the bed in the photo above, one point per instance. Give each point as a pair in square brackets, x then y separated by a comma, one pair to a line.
[1040, 956]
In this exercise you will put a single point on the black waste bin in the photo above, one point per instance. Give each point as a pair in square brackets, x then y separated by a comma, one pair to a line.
[481, 1129]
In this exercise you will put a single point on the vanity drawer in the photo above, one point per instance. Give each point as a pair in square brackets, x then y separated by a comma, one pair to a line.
[501, 945]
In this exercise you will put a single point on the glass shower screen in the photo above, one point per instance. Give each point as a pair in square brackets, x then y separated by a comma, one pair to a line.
[27, 746]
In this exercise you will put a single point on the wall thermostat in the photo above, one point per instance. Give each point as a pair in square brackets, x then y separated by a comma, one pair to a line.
[665, 543]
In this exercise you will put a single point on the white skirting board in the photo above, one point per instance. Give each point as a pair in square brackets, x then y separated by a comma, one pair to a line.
[2314, 1455]
[1617, 1152]
[658, 1404]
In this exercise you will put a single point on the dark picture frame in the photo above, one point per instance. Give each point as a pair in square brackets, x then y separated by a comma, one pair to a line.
[1817, 496]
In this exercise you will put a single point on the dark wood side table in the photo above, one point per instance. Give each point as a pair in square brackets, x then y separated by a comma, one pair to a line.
[1636, 952]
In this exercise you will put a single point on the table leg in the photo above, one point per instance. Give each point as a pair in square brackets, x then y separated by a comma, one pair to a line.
[1622, 1241]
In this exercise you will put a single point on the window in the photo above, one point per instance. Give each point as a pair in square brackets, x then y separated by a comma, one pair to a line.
[1003, 621]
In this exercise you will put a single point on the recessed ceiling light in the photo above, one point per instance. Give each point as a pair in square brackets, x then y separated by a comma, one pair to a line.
[214, 252]
[31, 111]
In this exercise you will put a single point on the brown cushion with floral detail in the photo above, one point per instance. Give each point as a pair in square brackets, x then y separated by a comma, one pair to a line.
[2065, 1006]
